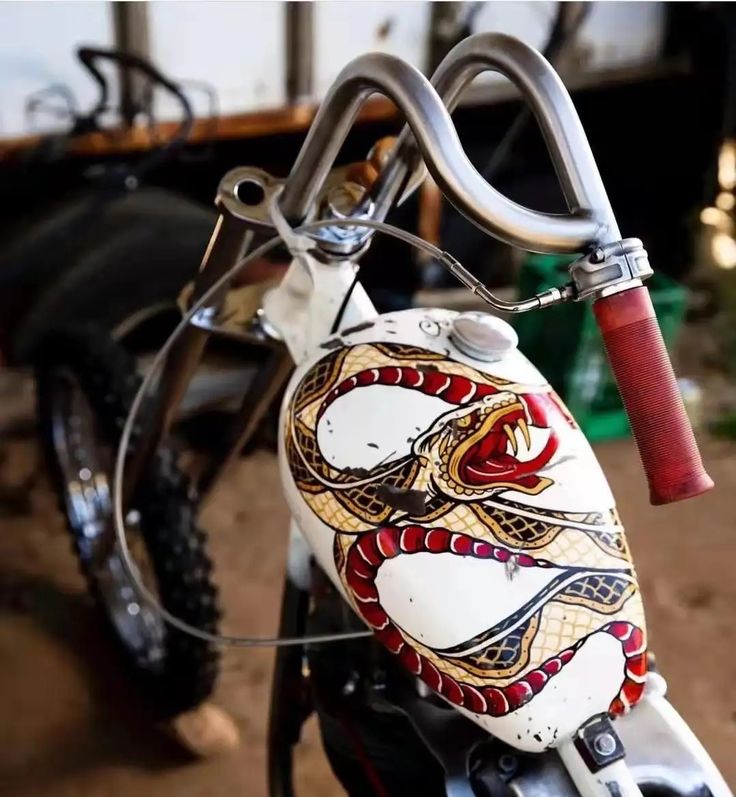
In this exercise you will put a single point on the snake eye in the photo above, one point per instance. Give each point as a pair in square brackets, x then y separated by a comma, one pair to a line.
[463, 422]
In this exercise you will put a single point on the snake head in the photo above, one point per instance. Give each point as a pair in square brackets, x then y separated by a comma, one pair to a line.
[488, 446]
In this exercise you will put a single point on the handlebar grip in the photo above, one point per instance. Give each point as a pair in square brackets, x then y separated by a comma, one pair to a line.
[649, 391]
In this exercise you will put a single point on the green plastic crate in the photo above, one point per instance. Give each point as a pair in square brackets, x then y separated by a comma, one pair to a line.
[566, 346]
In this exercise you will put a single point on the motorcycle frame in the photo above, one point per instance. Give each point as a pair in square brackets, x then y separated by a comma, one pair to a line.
[300, 313]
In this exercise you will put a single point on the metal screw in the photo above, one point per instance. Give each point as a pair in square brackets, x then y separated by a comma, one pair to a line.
[344, 199]
[605, 744]
[597, 256]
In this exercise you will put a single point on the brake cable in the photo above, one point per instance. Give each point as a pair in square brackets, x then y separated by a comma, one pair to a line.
[448, 261]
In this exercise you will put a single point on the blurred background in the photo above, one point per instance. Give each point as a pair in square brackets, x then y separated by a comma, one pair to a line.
[110, 157]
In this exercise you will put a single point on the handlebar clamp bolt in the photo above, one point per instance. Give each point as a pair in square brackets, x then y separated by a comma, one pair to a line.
[597, 256]
[605, 744]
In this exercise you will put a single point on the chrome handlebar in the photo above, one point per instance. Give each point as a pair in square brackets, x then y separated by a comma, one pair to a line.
[590, 220]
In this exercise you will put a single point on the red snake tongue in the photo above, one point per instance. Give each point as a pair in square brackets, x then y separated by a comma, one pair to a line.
[483, 471]
[492, 445]
[487, 461]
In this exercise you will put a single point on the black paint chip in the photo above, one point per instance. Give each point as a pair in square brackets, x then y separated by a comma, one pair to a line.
[358, 328]
[413, 502]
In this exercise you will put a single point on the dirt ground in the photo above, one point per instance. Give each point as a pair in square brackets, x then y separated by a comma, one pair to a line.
[70, 725]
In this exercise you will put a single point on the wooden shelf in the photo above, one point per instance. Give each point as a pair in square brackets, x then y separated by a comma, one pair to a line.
[295, 119]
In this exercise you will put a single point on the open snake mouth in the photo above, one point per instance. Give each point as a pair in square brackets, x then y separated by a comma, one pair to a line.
[497, 446]
[495, 438]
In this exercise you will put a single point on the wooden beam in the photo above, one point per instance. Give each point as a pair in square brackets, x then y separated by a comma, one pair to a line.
[292, 119]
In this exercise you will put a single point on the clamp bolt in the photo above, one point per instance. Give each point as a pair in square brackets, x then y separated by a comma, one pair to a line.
[344, 199]
[598, 744]
[605, 744]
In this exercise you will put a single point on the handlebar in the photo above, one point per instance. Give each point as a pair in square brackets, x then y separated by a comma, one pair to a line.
[552, 106]
[648, 388]
[622, 306]
[544, 91]
[446, 160]
[631, 334]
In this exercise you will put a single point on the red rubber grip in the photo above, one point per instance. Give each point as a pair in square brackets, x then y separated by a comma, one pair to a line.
[649, 391]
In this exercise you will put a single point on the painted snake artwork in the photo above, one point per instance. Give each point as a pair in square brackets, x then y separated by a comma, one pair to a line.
[470, 485]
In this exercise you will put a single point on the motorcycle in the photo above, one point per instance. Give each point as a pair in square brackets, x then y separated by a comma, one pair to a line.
[442, 496]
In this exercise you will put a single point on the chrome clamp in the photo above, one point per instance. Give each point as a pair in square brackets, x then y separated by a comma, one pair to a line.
[346, 200]
[610, 268]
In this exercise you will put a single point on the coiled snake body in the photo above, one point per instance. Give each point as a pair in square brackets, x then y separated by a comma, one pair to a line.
[468, 470]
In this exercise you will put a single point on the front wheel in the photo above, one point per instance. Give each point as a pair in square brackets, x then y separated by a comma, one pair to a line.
[86, 383]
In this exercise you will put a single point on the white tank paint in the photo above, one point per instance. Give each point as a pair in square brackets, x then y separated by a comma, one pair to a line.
[576, 694]
[448, 597]
[409, 588]
[374, 419]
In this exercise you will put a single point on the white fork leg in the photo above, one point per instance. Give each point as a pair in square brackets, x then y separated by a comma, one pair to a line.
[615, 780]
[663, 749]
[304, 306]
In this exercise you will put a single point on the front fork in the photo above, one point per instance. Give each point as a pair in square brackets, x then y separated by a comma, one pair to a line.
[296, 317]
[232, 237]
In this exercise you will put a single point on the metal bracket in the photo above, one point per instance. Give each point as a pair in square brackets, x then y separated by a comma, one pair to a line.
[346, 200]
[610, 268]
[239, 319]
[599, 744]
[246, 193]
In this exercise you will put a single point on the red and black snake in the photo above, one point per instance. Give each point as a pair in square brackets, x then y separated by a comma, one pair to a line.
[372, 548]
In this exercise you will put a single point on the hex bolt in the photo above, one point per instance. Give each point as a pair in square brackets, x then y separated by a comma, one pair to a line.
[343, 199]
[605, 744]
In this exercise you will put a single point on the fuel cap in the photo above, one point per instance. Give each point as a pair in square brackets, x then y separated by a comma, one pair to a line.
[483, 336]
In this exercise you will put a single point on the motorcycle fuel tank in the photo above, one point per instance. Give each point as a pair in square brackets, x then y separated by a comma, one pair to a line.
[451, 497]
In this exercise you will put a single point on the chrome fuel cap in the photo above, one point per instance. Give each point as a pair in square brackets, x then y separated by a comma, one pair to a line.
[483, 336]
